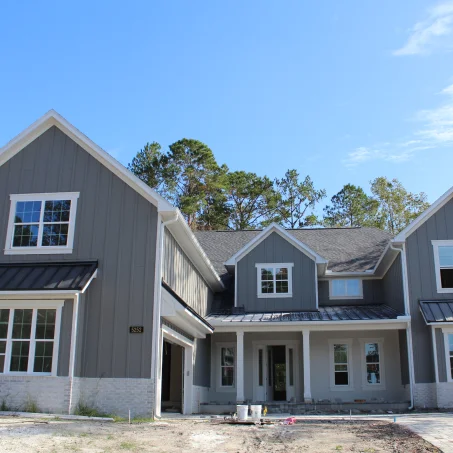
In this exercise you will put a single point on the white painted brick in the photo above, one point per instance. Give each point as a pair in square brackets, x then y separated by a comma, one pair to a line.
[445, 394]
[425, 395]
[199, 395]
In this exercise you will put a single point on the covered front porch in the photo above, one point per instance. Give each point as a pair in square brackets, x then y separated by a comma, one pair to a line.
[280, 363]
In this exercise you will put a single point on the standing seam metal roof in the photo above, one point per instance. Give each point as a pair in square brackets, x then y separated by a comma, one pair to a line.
[437, 311]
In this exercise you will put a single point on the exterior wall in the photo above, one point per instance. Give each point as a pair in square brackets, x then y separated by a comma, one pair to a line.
[275, 249]
[441, 359]
[50, 394]
[320, 368]
[64, 351]
[422, 285]
[392, 286]
[202, 362]
[372, 294]
[114, 225]
[114, 396]
[183, 277]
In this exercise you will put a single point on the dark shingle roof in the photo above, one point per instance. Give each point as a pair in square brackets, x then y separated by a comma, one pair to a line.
[72, 276]
[437, 311]
[331, 313]
[346, 249]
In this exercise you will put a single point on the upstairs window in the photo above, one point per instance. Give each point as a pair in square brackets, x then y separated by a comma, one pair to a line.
[274, 280]
[443, 263]
[346, 288]
[41, 223]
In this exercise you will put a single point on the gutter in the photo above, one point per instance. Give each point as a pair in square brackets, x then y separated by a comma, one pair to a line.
[410, 351]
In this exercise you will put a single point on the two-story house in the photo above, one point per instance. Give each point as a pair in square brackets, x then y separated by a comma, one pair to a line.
[107, 298]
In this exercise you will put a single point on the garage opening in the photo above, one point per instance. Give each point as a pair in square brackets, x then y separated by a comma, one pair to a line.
[172, 377]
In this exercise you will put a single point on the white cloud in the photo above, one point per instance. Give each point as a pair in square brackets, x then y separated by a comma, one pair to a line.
[435, 131]
[433, 33]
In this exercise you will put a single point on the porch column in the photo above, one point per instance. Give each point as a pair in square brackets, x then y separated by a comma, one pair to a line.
[240, 367]
[188, 379]
[306, 355]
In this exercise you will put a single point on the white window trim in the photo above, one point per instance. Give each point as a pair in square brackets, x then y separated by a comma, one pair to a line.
[365, 384]
[39, 249]
[360, 296]
[220, 387]
[341, 388]
[446, 332]
[436, 244]
[34, 305]
[260, 266]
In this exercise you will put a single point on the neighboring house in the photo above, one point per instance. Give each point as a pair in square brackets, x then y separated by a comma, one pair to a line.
[107, 298]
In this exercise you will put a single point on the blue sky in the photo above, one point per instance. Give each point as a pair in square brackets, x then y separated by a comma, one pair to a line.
[343, 91]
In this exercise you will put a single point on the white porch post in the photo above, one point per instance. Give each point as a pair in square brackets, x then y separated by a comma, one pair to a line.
[188, 379]
[240, 367]
[306, 354]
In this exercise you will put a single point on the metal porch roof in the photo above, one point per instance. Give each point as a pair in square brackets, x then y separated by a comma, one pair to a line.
[329, 313]
[437, 310]
[51, 276]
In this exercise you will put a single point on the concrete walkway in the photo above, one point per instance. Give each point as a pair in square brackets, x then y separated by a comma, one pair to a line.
[437, 429]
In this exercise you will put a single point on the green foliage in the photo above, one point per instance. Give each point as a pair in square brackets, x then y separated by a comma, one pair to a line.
[147, 165]
[86, 410]
[295, 199]
[251, 199]
[30, 405]
[351, 207]
[397, 207]
[4, 406]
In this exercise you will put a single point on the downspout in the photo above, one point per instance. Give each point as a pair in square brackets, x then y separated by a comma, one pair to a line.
[410, 351]
[157, 337]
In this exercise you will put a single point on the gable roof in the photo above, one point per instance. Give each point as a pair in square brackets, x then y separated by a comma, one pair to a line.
[424, 216]
[180, 229]
[346, 249]
[274, 228]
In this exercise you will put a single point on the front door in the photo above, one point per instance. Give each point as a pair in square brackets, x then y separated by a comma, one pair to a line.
[278, 371]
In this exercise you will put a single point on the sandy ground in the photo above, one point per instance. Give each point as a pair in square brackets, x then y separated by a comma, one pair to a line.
[38, 435]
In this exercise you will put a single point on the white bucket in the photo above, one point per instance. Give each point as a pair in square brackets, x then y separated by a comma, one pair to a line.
[242, 411]
[256, 411]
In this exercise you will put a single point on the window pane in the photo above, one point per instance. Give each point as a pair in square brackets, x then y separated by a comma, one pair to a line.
[27, 211]
[57, 211]
[22, 323]
[446, 278]
[450, 343]
[267, 287]
[340, 353]
[341, 367]
[281, 273]
[43, 357]
[267, 274]
[19, 355]
[372, 352]
[373, 375]
[227, 357]
[2, 347]
[2, 363]
[353, 287]
[281, 287]
[45, 325]
[55, 235]
[341, 378]
[25, 236]
[338, 288]
[446, 256]
[260, 367]
[4, 317]
[227, 376]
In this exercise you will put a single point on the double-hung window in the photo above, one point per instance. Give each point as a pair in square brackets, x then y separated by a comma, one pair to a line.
[372, 351]
[227, 366]
[346, 288]
[443, 263]
[29, 340]
[340, 360]
[41, 223]
[274, 280]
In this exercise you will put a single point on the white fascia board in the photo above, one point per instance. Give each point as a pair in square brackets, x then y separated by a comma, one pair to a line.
[424, 216]
[192, 248]
[275, 228]
[52, 118]
[39, 293]
[381, 324]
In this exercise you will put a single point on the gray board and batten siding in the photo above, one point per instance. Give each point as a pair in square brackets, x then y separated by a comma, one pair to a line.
[422, 285]
[114, 225]
[276, 249]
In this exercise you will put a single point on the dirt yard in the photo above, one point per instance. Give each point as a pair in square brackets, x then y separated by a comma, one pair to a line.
[39, 435]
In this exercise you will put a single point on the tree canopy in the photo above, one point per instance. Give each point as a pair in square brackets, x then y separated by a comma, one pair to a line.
[210, 197]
